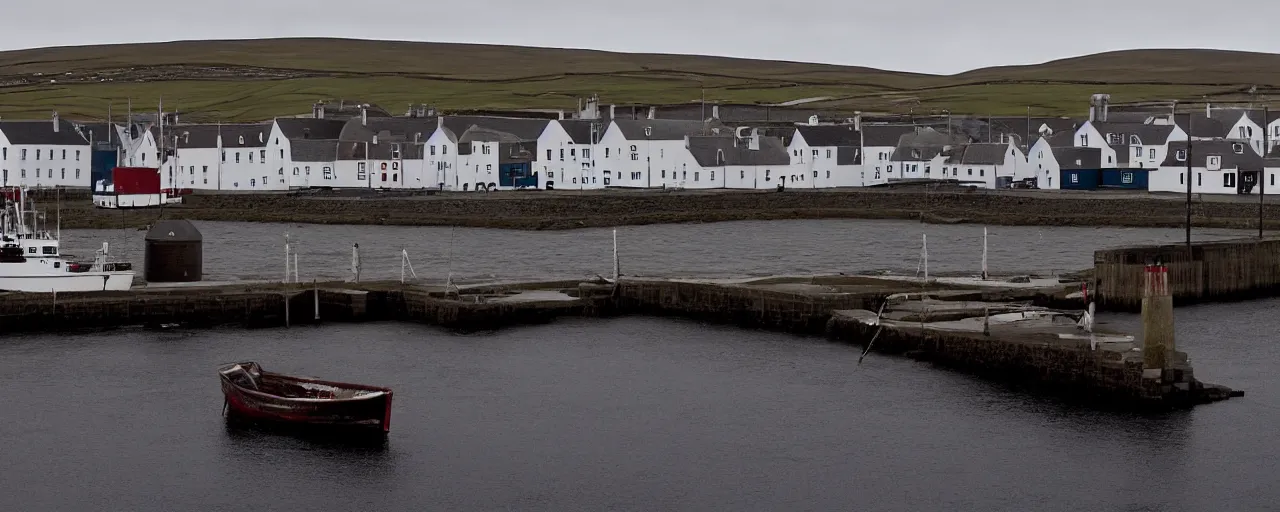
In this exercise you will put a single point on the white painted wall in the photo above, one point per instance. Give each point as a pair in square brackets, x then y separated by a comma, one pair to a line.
[1042, 163]
[44, 165]
[1169, 179]
[568, 166]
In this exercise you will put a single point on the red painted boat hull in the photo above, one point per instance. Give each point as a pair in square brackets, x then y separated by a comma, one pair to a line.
[303, 402]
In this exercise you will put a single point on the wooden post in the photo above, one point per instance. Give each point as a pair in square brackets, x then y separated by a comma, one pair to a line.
[286, 308]
[315, 289]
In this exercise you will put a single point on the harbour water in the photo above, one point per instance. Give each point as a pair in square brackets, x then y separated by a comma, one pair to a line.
[622, 414]
[250, 250]
[628, 413]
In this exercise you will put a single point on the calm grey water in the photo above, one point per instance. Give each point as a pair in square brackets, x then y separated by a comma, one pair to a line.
[631, 413]
[247, 250]
[621, 414]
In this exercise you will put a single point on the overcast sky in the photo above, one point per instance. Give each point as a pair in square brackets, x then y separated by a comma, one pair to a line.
[933, 36]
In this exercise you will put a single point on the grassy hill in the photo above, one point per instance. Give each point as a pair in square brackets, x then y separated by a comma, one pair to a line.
[256, 79]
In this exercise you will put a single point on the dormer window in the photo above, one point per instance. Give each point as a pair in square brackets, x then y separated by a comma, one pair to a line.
[1238, 148]
[242, 140]
[915, 154]
[719, 157]
[1133, 139]
[1113, 138]
[1180, 155]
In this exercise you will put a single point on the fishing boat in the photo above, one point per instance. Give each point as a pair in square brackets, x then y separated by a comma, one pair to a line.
[258, 396]
[31, 259]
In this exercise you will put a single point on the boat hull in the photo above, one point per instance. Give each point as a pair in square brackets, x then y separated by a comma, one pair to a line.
[370, 413]
[68, 282]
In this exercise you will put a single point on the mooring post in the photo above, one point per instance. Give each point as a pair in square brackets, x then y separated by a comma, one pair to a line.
[315, 292]
[984, 254]
[286, 257]
[615, 256]
[355, 262]
[286, 307]
[1157, 322]
[295, 268]
[924, 253]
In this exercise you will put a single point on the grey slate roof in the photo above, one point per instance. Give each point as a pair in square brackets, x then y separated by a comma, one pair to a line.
[1197, 125]
[1064, 139]
[527, 129]
[1122, 153]
[705, 149]
[978, 154]
[406, 129]
[924, 144]
[848, 155]
[206, 135]
[579, 130]
[307, 128]
[881, 135]
[1071, 158]
[1150, 134]
[661, 129]
[517, 152]
[41, 132]
[480, 134]
[831, 135]
[1234, 154]
[313, 150]
[98, 132]
[351, 150]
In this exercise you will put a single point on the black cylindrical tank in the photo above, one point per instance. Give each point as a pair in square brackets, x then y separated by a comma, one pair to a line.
[174, 253]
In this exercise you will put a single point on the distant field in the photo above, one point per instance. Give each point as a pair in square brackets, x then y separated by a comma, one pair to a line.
[258, 79]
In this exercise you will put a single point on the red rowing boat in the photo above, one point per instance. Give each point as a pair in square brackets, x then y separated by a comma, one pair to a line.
[252, 394]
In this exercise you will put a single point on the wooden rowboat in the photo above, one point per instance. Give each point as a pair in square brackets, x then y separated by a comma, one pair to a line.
[251, 394]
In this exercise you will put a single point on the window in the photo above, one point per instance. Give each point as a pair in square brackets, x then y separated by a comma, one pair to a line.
[1229, 179]
[4, 154]
[62, 173]
[237, 157]
[1075, 178]
[262, 157]
[1180, 155]
[548, 154]
[1151, 154]
[444, 149]
[360, 171]
[328, 173]
[394, 177]
[1182, 178]
[488, 167]
[24, 174]
[1084, 139]
[280, 172]
[250, 157]
[37, 154]
[971, 172]
[1214, 161]
[252, 182]
[224, 155]
[1273, 179]
[144, 158]
[6, 175]
[64, 154]
[664, 173]
[828, 174]
[433, 150]
[551, 175]
[561, 154]
[282, 153]
[395, 151]
[606, 150]
[586, 153]
[395, 166]
[713, 176]
[307, 170]
[982, 172]
[1199, 179]
[264, 181]
[828, 153]
[1243, 134]
[572, 152]
[24, 154]
[1137, 152]
[484, 148]
[695, 175]
[742, 175]
[295, 171]
[815, 174]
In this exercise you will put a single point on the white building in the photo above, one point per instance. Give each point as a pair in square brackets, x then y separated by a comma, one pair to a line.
[219, 157]
[980, 164]
[830, 155]
[1217, 167]
[464, 161]
[40, 154]
[919, 154]
[749, 161]
[1048, 163]
[307, 132]
[567, 152]
[878, 144]
[651, 153]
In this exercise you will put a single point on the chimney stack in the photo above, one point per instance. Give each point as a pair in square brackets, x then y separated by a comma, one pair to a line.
[1208, 110]
[55, 122]
[317, 110]
[613, 112]
[364, 116]
[715, 112]
[653, 112]
[857, 121]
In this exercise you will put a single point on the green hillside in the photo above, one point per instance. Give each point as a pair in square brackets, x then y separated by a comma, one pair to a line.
[257, 79]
